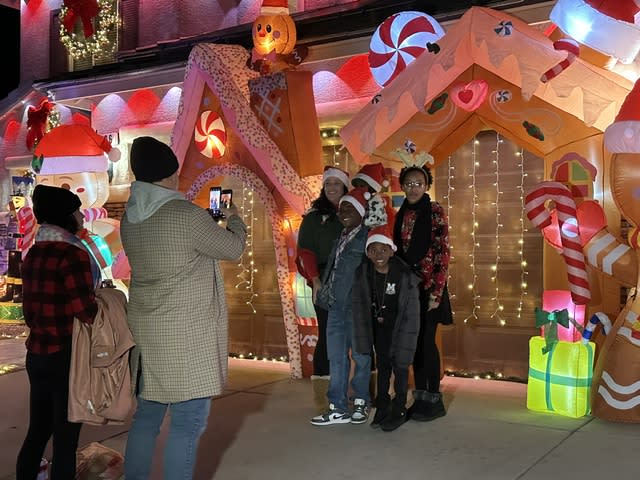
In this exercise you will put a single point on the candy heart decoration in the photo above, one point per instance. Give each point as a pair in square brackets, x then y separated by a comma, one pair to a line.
[471, 95]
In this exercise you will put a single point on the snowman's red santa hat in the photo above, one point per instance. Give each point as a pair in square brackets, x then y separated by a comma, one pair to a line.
[604, 25]
[274, 7]
[623, 135]
[74, 149]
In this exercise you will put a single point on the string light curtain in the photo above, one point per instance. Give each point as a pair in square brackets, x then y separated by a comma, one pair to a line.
[496, 266]
[481, 186]
[523, 230]
[449, 199]
[475, 164]
[246, 276]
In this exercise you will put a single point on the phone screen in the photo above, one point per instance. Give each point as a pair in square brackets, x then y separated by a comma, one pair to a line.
[226, 198]
[214, 199]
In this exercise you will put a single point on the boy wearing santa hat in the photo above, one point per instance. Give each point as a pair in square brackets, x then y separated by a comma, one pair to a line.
[335, 296]
[386, 314]
[373, 178]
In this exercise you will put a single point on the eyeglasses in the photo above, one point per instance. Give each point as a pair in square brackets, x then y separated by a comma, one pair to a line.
[409, 185]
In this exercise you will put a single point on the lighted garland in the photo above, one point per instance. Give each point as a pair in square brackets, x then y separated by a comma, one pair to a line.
[105, 21]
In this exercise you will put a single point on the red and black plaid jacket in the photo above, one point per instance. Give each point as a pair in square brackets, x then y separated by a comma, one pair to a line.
[57, 286]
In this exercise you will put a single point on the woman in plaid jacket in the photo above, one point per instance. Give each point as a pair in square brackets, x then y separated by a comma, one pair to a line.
[177, 310]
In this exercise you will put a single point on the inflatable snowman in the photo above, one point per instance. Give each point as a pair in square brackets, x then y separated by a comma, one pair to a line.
[77, 158]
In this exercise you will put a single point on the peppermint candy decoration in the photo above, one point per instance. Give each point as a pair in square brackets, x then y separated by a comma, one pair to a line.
[409, 146]
[398, 41]
[210, 135]
[504, 28]
[503, 96]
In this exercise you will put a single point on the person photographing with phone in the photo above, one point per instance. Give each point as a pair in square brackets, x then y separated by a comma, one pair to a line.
[177, 309]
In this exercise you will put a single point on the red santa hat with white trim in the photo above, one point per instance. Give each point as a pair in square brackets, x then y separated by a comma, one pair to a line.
[381, 234]
[623, 135]
[74, 149]
[274, 7]
[335, 172]
[373, 175]
[358, 198]
[608, 26]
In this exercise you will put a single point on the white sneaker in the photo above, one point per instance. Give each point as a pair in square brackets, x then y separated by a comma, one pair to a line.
[332, 416]
[360, 411]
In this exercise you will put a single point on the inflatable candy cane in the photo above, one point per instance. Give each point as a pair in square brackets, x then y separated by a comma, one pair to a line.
[573, 50]
[596, 318]
[569, 233]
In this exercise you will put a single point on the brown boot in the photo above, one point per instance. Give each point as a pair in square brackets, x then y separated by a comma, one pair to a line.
[320, 384]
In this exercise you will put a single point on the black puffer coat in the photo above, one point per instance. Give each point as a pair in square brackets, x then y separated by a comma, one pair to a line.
[407, 324]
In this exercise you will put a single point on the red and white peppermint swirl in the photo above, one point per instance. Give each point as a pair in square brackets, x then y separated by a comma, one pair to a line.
[210, 135]
[398, 41]
[540, 216]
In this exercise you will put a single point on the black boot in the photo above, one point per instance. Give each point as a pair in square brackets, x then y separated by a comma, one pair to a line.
[418, 410]
[382, 412]
[434, 407]
[17, 293]
[8, 295]
[396, 418]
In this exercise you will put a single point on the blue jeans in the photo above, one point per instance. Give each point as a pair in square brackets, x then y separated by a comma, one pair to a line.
[188, 422]
[339, 339]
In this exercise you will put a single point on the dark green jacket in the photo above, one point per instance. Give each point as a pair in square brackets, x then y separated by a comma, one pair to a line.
[317, 233]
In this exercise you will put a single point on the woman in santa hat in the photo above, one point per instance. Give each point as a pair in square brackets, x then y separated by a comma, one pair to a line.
[319, 229]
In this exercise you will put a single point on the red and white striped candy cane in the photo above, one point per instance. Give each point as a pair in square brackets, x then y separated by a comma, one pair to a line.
[94, 213]
[573, 50]
[27, 225]
[540, 216]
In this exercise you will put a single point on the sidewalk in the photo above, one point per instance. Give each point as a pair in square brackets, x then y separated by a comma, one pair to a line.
[259, 429]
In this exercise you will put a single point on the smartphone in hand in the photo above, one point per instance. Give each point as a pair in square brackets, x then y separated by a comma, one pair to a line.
[215, 194]
[226, 198]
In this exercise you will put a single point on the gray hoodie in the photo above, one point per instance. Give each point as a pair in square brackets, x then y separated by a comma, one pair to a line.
[147, 198]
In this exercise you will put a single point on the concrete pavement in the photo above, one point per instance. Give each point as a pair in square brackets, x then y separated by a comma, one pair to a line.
[259, 429]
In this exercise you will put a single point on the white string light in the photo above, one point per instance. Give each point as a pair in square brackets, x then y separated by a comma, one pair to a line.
[495, 268]
[474, 227]
[523, 229]
[248, 269]
[448, 198]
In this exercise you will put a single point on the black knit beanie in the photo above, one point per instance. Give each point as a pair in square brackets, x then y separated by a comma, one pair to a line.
[53, 204]
[151, 160]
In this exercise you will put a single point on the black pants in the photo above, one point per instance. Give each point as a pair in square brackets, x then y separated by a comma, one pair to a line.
[49, 380]
[320, 358]
[382, 344]
[426, 361]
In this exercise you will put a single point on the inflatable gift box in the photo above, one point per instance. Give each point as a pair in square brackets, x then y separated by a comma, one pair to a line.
[560, 379]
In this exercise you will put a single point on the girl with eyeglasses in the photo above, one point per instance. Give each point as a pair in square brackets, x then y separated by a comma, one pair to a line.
[421, 233]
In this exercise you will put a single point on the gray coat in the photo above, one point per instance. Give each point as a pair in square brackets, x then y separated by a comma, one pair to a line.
[177, 310]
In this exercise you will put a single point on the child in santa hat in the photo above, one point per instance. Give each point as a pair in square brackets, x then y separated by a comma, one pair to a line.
[386, 314]
[372, 177]
[335, 296]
